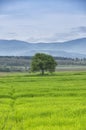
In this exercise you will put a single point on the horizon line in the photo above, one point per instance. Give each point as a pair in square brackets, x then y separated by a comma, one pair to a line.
[42, 41]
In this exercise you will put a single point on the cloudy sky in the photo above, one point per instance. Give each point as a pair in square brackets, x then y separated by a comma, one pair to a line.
[42, 20]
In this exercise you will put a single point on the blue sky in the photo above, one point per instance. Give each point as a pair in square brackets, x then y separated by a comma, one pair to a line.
[42, 20]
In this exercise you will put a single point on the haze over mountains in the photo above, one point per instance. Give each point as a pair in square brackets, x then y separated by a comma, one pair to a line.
[74, 48]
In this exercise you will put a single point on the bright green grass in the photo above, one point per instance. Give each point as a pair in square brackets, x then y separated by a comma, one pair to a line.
[57, 102]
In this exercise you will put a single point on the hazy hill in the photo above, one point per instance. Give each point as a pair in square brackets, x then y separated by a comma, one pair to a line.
[73, 48]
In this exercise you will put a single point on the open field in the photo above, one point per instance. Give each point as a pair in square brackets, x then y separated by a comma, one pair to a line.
[33, 102]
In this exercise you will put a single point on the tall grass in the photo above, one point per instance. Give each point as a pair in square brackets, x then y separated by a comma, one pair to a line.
[33, 102]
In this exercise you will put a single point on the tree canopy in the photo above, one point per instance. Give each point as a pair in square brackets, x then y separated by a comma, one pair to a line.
[43, 62]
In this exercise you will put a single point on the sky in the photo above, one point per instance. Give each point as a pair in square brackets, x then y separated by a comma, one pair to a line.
[42, 20]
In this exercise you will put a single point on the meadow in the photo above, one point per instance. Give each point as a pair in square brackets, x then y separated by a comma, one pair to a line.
[50, 102]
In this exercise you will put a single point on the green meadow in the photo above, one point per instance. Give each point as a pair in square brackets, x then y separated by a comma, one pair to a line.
[50, 102]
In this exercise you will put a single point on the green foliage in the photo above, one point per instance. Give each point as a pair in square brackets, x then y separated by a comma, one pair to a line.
[33, 102]
[43, 62]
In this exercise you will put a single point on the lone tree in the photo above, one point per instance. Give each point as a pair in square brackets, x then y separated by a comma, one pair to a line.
[43, 62]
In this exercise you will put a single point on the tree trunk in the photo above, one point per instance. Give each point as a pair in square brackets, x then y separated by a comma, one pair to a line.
[42, 71]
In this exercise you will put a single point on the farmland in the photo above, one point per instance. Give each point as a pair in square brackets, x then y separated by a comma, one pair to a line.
[50, 102]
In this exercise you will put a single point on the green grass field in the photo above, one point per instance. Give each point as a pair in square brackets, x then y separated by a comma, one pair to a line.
[33, 102]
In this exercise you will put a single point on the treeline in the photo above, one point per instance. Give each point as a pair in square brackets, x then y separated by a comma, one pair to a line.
[15, 60]
[22, 63]
[14, 63]
[71, 61]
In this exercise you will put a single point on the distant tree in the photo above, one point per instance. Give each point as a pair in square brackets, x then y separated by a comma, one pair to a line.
[43, 62]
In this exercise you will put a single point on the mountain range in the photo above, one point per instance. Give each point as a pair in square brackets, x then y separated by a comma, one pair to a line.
[72, 49]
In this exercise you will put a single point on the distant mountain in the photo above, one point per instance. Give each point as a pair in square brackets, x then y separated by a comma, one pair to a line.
[73, 48]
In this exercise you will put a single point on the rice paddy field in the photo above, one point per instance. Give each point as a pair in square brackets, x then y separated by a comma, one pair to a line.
[50, 102]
